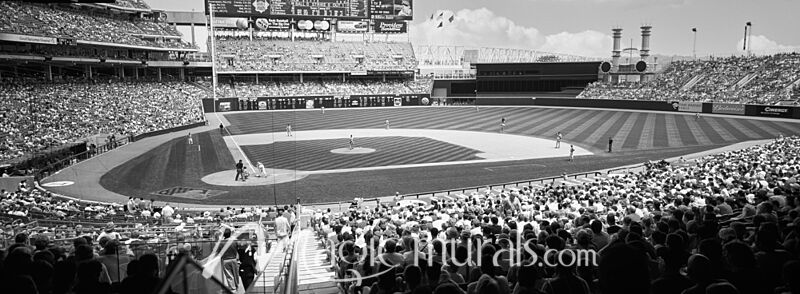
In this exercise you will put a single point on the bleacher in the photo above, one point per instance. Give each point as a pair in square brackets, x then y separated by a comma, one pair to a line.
[738, 79]
[85, 24]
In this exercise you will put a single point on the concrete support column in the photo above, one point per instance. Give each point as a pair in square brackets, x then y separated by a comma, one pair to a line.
[301, 78]
[50, 73]
[159, 74]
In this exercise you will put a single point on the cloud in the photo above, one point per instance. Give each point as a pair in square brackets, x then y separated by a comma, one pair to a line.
[762, 43]
[586, 43]
[483, 28]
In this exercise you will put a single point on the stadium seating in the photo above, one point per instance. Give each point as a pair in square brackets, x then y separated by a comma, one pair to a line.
[646, 225]
[740, 79]
[353, 87]
[40, 115]
[239, 54]
[85, 25]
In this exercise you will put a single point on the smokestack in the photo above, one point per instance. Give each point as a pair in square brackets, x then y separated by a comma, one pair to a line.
[645, 51]
[615, 53]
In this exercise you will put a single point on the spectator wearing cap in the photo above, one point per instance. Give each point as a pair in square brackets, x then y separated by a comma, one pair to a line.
[109, 232]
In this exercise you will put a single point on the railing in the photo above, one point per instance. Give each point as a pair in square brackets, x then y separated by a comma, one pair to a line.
[290, 285]
[186, 276]
[74, 159]
[286, 278]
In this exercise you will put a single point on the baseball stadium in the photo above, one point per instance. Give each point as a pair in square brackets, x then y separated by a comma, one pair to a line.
[319, 147]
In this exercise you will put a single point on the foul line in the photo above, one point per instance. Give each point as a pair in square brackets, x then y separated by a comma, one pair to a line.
[231, 136]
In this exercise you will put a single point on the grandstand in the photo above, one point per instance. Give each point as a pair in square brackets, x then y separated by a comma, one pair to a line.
[315, 149]
[768, 79]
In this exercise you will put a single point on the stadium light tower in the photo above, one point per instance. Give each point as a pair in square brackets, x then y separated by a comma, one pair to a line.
[749, 26]
[694, 43]
[213, 51]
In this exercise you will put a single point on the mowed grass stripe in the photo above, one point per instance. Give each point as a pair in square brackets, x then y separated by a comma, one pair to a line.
[585, 125]
[613, 123]
[702, 131]
[542, 118]
[718, 128]
[737, 130]
[572, 126]
[627, 119]
[764, 130]
[552, 126]
[631, 133]
[648, 133]
[787, 129]
[533, 118]
[674, 138]
[177, 159]
[683, 129]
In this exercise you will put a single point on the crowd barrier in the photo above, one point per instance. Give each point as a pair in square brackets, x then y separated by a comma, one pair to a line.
[776, 111]
[315, 102]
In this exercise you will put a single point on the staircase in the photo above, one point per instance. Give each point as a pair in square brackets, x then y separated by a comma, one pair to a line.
[265, 282]
[690, 84]
[744, 81]
[314, 273]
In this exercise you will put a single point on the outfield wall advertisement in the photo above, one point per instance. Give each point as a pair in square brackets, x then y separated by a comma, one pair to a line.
[688, 106]
[352, 26]
[727, 108]
[770, 111]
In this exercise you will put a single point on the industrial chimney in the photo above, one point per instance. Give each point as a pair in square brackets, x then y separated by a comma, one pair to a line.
[645, 51]
[617, 51]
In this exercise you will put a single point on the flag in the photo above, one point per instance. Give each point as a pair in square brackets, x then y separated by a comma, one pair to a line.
[749, 24]
[440, 25]
[452, 17]
[694, 30]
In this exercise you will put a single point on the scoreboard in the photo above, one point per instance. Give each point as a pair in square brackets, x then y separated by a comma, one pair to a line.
[352, 9]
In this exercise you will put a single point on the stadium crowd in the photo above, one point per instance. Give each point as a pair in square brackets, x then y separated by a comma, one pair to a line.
[86, 25]
[324, 87]
[243, 54]
[36, 116]
[739, 79]
[87, 255]
[727, 223]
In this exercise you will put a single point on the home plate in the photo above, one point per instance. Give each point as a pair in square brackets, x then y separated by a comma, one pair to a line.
[274, 176]
[356, 150]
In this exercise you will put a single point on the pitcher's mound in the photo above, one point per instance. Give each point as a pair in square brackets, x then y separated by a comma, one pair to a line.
[274, 176]
[357, 150]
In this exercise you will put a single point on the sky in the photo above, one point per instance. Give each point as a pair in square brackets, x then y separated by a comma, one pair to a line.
[583, 27]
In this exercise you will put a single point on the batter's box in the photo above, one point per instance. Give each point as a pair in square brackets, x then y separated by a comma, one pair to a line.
[189, 193]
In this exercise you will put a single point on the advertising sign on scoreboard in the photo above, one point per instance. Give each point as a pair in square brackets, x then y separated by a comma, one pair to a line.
[316, 9]
[277, 8]
[313, 25]
[390, 26]
[352, 26]
[273, 24]
[391, 9]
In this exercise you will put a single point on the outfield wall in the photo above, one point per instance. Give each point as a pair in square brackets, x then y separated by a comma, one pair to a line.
[676, 106]
[389, 100]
